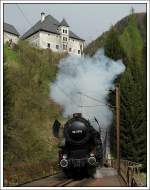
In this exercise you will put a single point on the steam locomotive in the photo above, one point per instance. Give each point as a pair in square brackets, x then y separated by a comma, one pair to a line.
[81, 151]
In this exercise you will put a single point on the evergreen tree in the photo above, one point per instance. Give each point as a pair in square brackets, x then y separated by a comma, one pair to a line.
[129, 47]
[133, 93]
[112, 44]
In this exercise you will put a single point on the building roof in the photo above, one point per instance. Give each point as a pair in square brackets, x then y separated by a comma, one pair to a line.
[10, 29]
[64, 23]
[50, 24]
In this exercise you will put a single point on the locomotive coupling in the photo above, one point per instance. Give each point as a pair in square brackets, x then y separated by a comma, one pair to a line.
[92, 161]
[64, 163]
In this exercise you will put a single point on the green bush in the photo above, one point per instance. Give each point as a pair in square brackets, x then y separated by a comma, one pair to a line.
[27, 112]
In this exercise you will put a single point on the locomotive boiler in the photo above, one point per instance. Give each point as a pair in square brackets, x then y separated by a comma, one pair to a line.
[81, 151]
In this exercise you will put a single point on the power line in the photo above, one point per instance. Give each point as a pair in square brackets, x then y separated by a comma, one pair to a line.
[92, 105]
[23, 14]
[81, 106]
[27, 20]
[64, 92]
[102, 103]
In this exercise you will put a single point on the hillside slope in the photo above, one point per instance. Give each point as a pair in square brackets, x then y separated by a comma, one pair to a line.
[126, 40]
[120, 25]
[28, 110]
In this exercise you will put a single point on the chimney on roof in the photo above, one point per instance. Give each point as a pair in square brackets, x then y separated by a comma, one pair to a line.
[42, 16]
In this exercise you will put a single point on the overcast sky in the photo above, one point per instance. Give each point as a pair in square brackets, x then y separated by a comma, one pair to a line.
[86, 20]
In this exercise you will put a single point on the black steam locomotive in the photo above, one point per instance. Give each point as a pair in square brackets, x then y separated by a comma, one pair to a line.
[81, 151]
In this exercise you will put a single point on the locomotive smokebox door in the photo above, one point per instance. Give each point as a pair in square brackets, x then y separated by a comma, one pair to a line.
[56, 128]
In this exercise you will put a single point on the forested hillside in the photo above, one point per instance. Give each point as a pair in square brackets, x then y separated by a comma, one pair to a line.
[127, 41]
[120, 25]
[28, 109]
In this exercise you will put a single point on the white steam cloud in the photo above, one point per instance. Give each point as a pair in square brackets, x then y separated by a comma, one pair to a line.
[83, 84]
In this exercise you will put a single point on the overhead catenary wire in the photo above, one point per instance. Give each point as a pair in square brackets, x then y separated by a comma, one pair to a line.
[102, 103]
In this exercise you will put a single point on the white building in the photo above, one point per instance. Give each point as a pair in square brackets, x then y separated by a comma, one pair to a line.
[50, 33]
[11, 35]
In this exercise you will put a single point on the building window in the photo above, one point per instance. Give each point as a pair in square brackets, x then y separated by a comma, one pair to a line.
[78, 51]
[65, 31]
[69, 49]
[57, 46]
[64, 39]
[48, 45]
[64, 47]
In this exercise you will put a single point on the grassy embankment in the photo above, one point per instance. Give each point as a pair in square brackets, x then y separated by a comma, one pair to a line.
[28, 110]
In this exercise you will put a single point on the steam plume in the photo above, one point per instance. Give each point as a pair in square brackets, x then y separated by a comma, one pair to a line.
[83, 84]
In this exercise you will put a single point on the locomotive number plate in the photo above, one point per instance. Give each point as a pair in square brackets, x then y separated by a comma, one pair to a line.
[76, 131]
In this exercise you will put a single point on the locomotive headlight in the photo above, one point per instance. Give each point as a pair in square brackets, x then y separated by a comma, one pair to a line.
[64, 163]
[91, 154]
[64, 156]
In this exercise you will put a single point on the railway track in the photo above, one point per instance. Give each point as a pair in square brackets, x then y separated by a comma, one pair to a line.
[109, 178]
[63, 183]
[58, 180]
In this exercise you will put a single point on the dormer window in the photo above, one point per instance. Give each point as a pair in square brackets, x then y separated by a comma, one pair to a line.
[65, 31]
